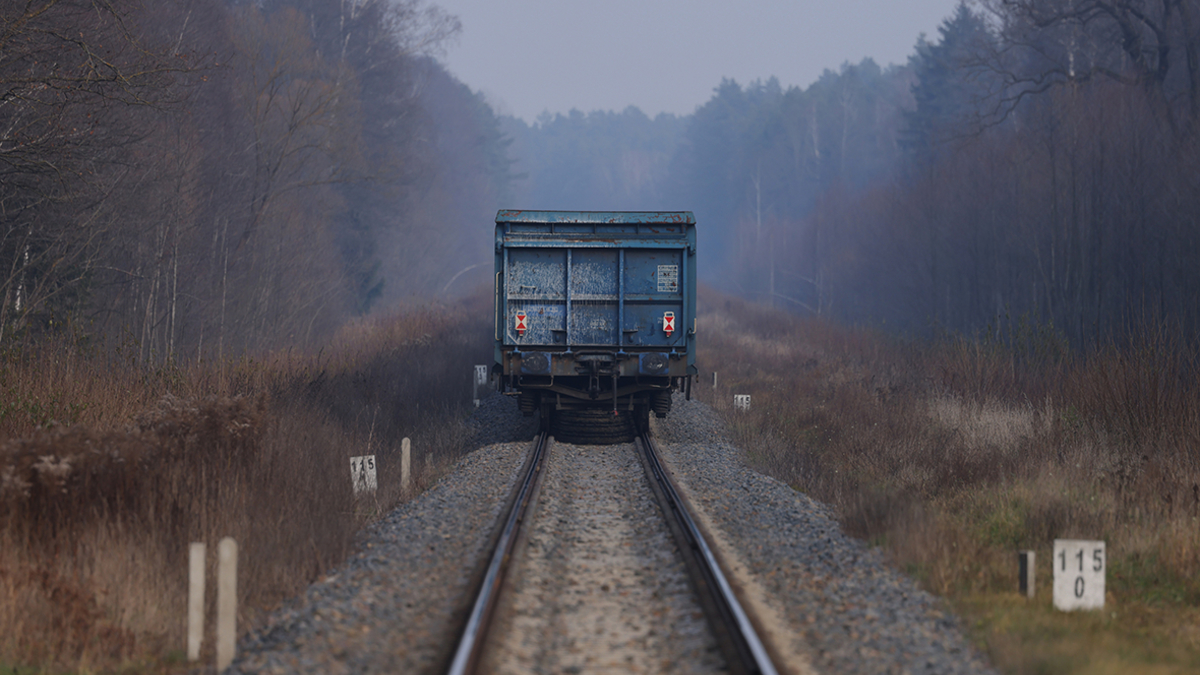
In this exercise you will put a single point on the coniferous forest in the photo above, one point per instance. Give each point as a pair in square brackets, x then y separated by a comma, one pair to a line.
[211, 175]
[1034, 162]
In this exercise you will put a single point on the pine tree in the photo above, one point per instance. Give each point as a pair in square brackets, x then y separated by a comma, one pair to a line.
[951, 85]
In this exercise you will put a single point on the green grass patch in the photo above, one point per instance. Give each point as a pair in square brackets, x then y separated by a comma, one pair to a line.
[1032, 637]
[1143, 577]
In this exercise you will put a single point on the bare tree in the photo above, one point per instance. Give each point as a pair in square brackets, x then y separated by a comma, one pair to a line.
[78, 84]
[1150, 44]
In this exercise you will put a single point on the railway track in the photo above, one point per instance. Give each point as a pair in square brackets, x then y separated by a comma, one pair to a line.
[482, 647]
[826, 602]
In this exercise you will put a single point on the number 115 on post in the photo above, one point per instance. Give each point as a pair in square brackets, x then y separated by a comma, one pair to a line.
[1079, 572]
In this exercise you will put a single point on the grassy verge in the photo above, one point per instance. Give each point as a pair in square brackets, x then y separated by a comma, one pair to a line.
[108, 469]
[953, 456]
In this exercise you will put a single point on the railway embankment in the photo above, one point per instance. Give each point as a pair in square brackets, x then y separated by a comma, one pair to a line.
[873, 490]
[828, 602]
[396, 603]
[949, 456]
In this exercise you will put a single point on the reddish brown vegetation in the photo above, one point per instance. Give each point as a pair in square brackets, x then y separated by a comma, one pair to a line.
[107, 471]
[954, 455]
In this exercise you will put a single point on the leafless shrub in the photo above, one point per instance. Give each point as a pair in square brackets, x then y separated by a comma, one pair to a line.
[99, 508]
[947, 450]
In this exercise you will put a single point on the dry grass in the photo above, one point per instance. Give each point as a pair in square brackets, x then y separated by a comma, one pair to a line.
[954, 455]
[108, 470]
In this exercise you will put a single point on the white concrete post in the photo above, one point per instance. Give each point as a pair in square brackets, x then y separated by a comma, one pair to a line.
[1025, 573]
[405, 463]
[226, 602]
[481, 380]
[362, 473]
[195, 606]
[1080, 567]
[714, 379]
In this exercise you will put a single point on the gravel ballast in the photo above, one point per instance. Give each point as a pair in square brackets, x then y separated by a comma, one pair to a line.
[827, 602]
[391, 607]
[599, 585]
[833, 604]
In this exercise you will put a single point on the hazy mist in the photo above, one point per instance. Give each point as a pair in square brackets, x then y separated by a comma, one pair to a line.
[269, 171]
[535, 56]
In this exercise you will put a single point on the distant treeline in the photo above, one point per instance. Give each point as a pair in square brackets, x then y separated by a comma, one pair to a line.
[205, 176]
[1036, 163]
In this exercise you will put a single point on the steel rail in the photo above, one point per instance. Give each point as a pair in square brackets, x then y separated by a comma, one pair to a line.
[744, 649]
[470, 644]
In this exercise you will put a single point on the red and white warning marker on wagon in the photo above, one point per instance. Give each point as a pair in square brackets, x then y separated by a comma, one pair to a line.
[522, 325]
[669, 323]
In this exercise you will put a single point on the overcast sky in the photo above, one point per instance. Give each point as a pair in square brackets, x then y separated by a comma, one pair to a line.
[529, 56]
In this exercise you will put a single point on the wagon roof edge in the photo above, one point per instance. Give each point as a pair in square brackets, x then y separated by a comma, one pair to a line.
[613, 217]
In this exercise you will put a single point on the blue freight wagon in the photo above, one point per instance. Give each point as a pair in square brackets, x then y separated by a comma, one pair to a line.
[595, 317]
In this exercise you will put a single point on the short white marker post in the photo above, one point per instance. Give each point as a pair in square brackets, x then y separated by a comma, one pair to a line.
[227, 554]
[714, 379]
[741, 402]
[1079, 570]
[405, 463]
[481, 378]
[195, 606]
[1025, 572]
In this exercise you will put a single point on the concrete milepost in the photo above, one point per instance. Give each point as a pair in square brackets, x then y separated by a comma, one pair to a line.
[1079, 570]
[362, 473]
[195, 606]
[405, 463]
[227, 554]
[1025, 573]
[481, 383]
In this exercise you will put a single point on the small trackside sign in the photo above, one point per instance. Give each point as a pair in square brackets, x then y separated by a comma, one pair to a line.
[522, 324]
[669, 323]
